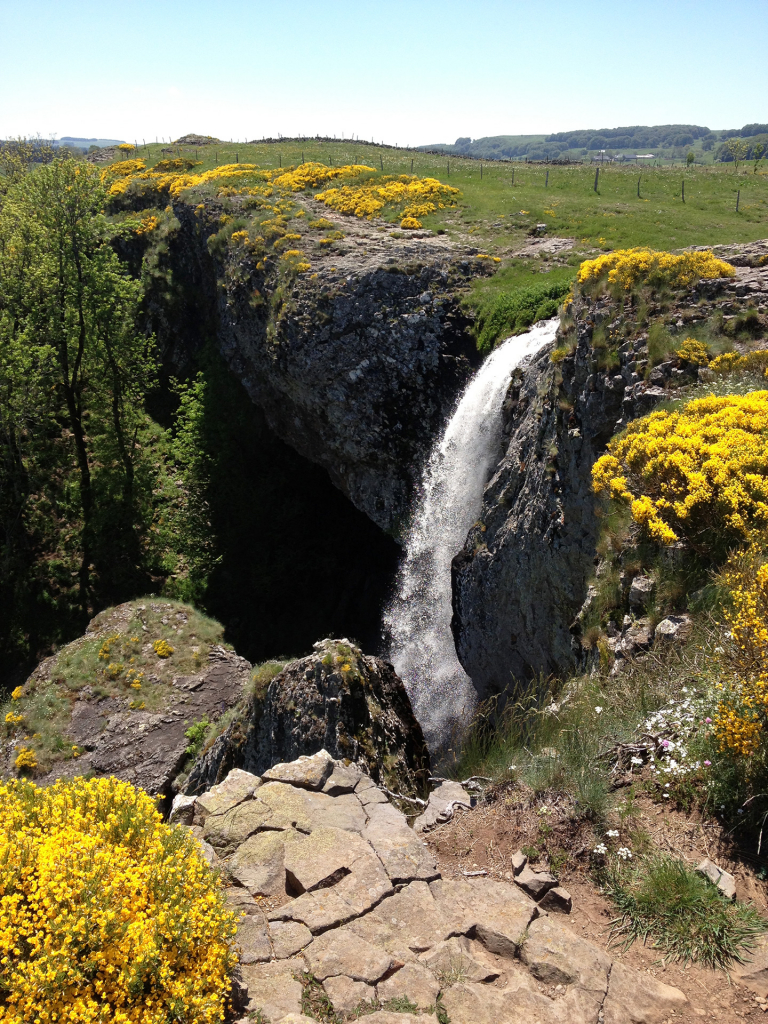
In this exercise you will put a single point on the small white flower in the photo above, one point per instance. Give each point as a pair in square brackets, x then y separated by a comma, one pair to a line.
[624, 853]
[665, 795]
[666, 785]
[513, 768]
[598, 711]
[637, 760]
[600, 849]
[612, 833]
[719, 650]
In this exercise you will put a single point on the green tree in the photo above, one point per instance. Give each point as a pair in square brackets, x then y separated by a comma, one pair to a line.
[737, 149]
[74, 370]
[690, 158]
[757, 155]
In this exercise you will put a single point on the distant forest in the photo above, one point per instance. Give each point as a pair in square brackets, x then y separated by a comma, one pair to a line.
[667, 140]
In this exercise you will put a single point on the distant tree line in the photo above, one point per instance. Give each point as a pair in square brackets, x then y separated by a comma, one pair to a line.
[672, 140]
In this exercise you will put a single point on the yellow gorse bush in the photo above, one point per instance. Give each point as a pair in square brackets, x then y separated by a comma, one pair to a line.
[700, 473]
[162, 648]
[106, 913]
[693, 352]
[742, 713]
[732, 362]
[407, 194]
[415, 197]
[628, 267]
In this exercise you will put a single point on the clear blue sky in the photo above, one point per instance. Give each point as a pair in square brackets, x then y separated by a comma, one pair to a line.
[404, 72]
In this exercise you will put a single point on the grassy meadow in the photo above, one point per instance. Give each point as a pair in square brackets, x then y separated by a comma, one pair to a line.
[502, 201]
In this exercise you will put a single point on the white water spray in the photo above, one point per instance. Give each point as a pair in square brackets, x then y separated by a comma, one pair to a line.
[418, 619]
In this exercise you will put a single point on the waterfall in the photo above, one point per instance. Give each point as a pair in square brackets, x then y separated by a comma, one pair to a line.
[418, 619]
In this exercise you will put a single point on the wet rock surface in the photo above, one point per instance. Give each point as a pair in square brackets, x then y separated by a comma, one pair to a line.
[339, 699]
[370, 933]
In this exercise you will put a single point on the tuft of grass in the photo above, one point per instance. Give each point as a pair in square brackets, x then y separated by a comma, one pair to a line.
[662, 901]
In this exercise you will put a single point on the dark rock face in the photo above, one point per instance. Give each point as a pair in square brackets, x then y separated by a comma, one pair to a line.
[355, 367]
[337, 699]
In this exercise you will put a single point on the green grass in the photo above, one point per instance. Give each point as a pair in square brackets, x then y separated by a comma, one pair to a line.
[681, 913]
[496, 212]
[519, 295]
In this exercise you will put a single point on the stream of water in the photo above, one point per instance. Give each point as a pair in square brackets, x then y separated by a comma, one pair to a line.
[418, 619]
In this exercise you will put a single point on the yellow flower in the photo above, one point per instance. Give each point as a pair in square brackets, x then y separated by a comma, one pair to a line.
[25, 759]
[106, 912]
[700, 473]
[12, 718]
[162, 648]
[18, 693]
[627, 267]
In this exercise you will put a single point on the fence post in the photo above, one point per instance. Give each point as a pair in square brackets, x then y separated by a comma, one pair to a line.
[638, 188]
[738, 194]
[280, 159]
[449, 168]
[481, 172]
[237, 158]
[513, 175]
[381, 161]
[597, 174]
[411, 165]
[546, 180]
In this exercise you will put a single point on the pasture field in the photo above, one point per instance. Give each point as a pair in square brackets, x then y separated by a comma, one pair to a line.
[498, 209]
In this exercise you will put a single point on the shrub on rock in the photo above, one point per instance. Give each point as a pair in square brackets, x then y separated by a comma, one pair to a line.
[106, 913]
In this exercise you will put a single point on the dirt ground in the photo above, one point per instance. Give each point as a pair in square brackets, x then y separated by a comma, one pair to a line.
[486, 837]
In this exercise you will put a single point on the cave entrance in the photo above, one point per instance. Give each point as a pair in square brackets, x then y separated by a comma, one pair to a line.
[298, 562]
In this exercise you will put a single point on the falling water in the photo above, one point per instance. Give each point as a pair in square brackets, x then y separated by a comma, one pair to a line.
[418, 620]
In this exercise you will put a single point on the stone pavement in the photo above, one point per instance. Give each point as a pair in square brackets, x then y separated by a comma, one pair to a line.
[335, 885]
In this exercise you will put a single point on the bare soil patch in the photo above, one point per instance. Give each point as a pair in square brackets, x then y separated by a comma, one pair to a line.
[485, 838]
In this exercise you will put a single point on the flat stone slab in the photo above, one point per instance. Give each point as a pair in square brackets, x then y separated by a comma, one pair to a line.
[306, 810]
[288, 938]
[324, 857]
[634, 999]
[237, 786]
[253, 940]
[343, 779]
[341, 952]
[346, 994]
[407, 923]
[403, 854]
[225, 832]
[724, 881]
[414, 982]
[259, 863]
[452, 961]
[365, 885]
[308, 771]
[272, 989]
